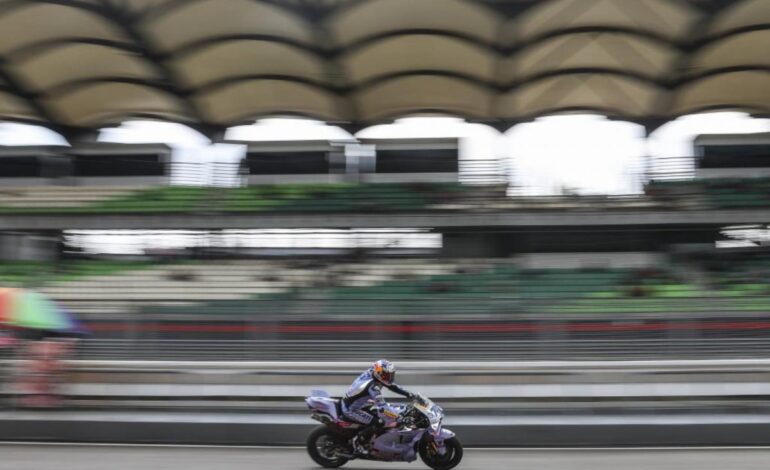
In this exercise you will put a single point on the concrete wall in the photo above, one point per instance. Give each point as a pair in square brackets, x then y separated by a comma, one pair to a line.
[167, 428]
[629, 259]
[704, 173]
[25, 246]
[471, 245]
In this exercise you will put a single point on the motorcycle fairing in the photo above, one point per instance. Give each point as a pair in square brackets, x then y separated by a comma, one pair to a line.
[397, 445]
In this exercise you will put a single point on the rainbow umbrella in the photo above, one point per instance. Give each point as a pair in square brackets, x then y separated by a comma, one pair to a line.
[27, 309]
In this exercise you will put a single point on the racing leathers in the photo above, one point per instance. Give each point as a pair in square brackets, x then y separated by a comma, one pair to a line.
[365, 394]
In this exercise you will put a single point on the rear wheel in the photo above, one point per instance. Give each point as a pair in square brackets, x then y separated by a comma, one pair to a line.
[323, 445]
[432, 458]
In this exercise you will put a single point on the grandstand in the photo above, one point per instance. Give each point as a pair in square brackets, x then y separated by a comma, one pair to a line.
[409, 287]
[541, 273]
[342, 62]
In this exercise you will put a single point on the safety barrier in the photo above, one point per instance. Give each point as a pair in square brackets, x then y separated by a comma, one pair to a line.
[434, 349]
[660, 410]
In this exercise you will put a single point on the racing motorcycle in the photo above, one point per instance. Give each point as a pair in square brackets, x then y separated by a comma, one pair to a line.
[415, 429]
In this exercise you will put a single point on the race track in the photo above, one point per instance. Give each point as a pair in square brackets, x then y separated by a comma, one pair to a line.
[75, 457]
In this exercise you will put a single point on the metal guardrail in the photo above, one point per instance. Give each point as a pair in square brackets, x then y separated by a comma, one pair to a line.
[276, 383]
[671, 168]
[230, 174]
[334, 350]
[465, 388]
[434, 368]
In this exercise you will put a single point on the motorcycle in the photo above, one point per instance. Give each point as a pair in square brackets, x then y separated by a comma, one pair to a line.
[416, 430]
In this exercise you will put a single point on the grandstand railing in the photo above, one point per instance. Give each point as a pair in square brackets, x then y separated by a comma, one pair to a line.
[670, 168]
[226, 174]
[192, 174]
[484, 171]
[498, 350]
[365, 309]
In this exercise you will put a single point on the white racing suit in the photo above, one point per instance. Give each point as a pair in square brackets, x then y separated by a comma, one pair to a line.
[363, 393]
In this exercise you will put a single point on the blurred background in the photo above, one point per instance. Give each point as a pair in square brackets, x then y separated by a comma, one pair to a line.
[552, 215]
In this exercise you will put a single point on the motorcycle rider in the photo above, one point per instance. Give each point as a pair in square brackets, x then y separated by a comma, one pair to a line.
[366, 388]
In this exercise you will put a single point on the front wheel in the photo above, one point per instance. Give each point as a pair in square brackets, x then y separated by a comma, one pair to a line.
[322, 446]
[451, 458]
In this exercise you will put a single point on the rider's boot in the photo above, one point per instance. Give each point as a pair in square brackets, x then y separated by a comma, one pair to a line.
[359, 445]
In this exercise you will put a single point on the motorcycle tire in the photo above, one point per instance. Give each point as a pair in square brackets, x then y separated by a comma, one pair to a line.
[452, 458]
[317, 455]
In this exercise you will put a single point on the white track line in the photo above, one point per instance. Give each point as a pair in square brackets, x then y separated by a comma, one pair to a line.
[107, 444]
[479, 449]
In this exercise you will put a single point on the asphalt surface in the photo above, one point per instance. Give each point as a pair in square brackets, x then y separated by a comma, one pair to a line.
[75, 457]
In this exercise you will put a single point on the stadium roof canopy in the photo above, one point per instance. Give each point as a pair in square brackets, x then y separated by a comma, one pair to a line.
[78, 65]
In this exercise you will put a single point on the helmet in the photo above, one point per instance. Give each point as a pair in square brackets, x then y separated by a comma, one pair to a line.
[384, 371]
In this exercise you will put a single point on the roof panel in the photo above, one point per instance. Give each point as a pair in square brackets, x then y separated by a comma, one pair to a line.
[73, 62]
[618, 95]
[376, 17]
[419, 52]
[199, 20]
[44, 22]
[101, 104]
[238, 102]
[744, 14]
[243, 58]
[406, 95]
[611, 51]
[662, 18]
[751, 49]
[736, 90]
[13, 108]
[142, 6]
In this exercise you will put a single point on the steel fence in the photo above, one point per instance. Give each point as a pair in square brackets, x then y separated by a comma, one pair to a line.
[671, 168]
[497, 350]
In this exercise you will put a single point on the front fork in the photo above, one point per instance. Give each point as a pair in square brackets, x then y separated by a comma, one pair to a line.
[437, 448]
[436, 443]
